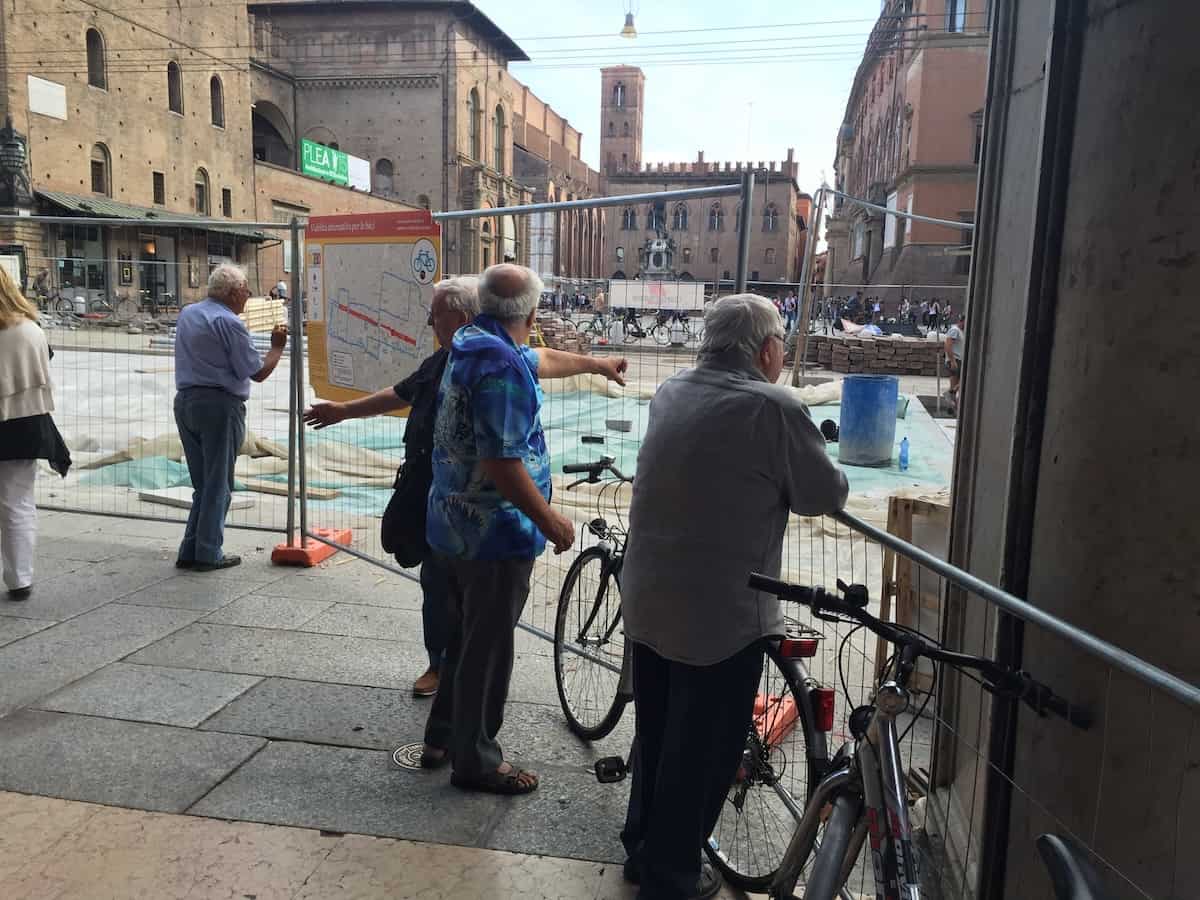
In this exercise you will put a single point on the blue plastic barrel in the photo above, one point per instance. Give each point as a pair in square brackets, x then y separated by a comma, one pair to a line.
[868, 426]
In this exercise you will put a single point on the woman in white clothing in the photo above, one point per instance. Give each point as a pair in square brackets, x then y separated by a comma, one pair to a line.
[27, 433]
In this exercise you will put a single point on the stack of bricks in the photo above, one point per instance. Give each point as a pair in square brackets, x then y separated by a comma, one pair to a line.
[559, 336]
[874, 356]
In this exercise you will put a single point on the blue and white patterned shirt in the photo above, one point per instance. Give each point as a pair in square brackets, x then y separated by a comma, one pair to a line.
[489, 407]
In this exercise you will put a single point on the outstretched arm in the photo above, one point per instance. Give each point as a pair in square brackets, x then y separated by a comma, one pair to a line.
[560, 364]
[322, 415]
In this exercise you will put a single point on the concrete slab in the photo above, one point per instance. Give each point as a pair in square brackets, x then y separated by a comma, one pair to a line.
[13, 628]
[286, 654]
[54, 657]
[117, 763]
[257, 611]
[356, 620]
[340, 789]
[197, 592]
[570, 814]
[316, 713]
[91, 586]
[183, 697]
[533, 680]
[31, 826]
[538, 735]
[391, 591]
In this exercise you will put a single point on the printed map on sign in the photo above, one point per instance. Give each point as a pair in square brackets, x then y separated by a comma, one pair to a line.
[370, 280]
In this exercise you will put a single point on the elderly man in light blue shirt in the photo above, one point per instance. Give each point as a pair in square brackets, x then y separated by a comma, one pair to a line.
[215, 361]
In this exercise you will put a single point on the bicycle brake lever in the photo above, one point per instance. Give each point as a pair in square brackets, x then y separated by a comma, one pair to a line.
[576, 483]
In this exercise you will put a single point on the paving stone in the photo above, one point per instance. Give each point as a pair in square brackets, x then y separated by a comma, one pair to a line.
[533, 680]
[54, 657]
[183, 697]
[317, 713]
[196, 592]
[286, 654]
[258, 611]
[570, 814]
[89, 587]
[116, 763]
[356, 620]
[350, 790]
[538, 734]
[378, 591]
[13, 628]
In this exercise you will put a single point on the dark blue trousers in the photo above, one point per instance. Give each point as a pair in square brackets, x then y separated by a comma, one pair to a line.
[212, 426]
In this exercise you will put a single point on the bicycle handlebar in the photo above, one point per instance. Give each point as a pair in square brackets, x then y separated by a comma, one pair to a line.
[1002, 679]
[593, 470]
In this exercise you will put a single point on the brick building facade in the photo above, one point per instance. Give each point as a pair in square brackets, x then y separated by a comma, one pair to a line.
[910, 140]
[690, 240]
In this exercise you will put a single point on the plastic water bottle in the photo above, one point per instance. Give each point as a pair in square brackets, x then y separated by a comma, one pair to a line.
[904, 454]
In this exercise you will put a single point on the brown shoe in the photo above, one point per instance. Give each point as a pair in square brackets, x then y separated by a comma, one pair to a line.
[427, 684]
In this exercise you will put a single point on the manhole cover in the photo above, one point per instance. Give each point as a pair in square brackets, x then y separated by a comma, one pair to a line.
[408, 756]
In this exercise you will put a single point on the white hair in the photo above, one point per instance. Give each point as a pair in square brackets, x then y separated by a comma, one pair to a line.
[461, 293]
[738, 325]
[509, 309]
[224, 280]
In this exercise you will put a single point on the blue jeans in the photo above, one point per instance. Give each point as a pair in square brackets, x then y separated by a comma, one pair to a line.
[212, 425]
[435, 607]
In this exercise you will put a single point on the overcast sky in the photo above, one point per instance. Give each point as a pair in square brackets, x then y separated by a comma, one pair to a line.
[736, 92]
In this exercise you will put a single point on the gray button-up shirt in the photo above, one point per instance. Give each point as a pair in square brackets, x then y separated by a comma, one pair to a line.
[727, 456]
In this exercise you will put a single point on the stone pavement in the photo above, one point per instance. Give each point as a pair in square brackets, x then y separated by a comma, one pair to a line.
[267, 695]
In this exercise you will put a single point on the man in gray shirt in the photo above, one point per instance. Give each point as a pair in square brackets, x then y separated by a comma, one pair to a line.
[728, 456]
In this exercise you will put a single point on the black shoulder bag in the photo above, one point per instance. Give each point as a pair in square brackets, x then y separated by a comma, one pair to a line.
[403, 529]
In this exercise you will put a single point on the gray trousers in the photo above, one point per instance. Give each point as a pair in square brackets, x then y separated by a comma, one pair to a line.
[212, 425]
[486, 598]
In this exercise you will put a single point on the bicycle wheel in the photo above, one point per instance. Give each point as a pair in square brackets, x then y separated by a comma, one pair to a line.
[568, 325]
[589, 646]
[661, 334]
[772, 784]
[632, 333]
[64, 307]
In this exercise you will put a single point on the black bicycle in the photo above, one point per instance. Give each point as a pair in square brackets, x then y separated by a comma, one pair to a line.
[862, 795]
[786, 748]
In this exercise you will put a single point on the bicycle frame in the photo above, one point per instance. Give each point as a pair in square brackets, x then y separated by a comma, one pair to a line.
[867, 792]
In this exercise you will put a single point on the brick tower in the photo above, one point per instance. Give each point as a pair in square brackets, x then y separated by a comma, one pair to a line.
[622, 90]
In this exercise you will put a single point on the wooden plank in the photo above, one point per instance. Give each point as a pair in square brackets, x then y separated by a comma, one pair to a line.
[889, 585]
[279, 488]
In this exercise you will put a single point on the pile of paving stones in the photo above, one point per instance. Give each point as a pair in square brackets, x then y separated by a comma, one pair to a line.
[559, 336]
[888, 355]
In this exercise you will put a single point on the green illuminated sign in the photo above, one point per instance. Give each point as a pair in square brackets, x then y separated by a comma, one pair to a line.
[324, 162]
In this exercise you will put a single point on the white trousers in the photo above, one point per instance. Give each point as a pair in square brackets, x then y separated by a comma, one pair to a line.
[18, 521]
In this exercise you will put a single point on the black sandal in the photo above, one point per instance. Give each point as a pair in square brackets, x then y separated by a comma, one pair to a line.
[507, 783]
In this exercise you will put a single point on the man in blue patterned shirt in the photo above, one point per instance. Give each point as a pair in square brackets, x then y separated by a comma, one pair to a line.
[490, 517]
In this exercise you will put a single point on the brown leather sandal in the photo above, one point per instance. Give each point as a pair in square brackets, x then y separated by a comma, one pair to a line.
[509, 783]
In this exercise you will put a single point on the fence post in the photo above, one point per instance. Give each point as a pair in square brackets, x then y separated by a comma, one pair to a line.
[800, 363]
[298, 374]
[295, 396]
[743, 257]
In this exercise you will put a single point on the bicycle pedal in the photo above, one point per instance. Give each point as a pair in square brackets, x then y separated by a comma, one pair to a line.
[611, 769]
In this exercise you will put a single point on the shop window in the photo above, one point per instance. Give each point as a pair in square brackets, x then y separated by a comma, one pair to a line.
[97, 76]
[160, 188]
[101, 167]
[217, 100]
[174, 88]
[227, 203]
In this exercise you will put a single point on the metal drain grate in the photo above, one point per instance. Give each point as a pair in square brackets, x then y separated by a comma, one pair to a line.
[408, 756]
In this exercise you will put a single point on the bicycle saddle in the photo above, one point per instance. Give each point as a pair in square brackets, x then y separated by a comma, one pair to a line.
[1071, 871]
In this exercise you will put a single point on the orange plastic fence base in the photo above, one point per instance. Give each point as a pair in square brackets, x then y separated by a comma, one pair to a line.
[774, 717]
[310, 552]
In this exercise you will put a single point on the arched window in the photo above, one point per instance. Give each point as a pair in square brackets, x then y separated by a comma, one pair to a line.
[619, 94]
[626, 129]
[769, 256]
[498, 140]
[95, 59]
[687, 254]
[714, 255]
[174, 88]
[383, 176]
[716, 218]
[655, 219]
[216, 95]
[624, 161]
[679, 219]
[101, 169]
[620, 254]
[473, 124]
[629, 219]
[770, 218]
[611, 129]
[200, 195]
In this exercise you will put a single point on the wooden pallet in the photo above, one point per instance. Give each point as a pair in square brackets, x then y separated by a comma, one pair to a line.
[900, 581]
